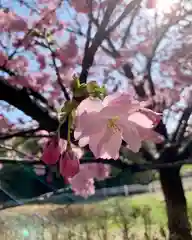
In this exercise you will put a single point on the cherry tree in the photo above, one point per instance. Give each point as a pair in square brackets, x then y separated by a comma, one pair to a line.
[100, 77]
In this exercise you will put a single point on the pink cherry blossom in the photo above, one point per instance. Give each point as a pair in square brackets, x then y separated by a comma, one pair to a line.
[66, 74]
[51, 151]
[9, 21]
[19, 63]
[82, 186]
[69, 164]
[83, 182]
[41, 60]
[48, 16]
[36, 81]
[104, 124]
[98, 171]
[68, 53]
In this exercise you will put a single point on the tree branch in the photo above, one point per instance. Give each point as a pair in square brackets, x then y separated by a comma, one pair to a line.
[181, 127]
[57, 72]
[88, 35]
[26, 133]
[161, 33]
[127, 31]
[135, 167]
[35, 94]
[97, 40]
[20, 99]
[127, 10]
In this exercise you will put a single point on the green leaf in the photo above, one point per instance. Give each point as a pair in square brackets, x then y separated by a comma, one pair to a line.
[75, 84]
[92, 87]
[81, 91]
[67, 108]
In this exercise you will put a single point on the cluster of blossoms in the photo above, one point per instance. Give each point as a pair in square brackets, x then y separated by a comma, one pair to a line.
[84, 6]
[101, 122]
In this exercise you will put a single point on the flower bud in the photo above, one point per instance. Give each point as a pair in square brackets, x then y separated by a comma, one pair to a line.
[69, 165]
[51, 152]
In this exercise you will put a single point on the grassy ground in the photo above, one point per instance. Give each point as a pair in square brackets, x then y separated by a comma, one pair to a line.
[186, 168]
[139, 217]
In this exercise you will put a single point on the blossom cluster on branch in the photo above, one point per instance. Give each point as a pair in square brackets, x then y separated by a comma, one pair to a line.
[102, 122]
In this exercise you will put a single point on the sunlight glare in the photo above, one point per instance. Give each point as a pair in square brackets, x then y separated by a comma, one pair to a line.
[165, 5]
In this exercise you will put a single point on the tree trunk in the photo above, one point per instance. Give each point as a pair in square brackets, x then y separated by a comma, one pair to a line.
[176, 205]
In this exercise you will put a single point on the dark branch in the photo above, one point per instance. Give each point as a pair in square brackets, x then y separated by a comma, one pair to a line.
[20, 99]
[26, 133]
[97, 40]
[57, 72]
[35, 94]
[135, 167]
[127, 31]
[181, 127]
[127, 10]
[88, 35]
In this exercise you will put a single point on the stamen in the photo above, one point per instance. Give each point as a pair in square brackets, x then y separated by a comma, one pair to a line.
[112, 124]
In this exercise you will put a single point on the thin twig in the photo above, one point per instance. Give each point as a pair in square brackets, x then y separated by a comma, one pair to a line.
[97, 40]
[25, 133]
[58, 73]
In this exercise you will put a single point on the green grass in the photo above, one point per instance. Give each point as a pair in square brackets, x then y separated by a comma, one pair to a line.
[141, 203]
[186, 168]
[136, 212]
[153, 201]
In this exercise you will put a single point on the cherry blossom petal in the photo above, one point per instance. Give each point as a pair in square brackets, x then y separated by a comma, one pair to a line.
[83, 141]
[153, 116]
[110, 98]
[131, 136]
[82, 186]
[89, 105]
[141, 120]
[149, 135]
[94, 141]
[111, 145]
[87, 124]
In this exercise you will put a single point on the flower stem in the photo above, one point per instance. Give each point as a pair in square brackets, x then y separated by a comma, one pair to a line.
[69, 131]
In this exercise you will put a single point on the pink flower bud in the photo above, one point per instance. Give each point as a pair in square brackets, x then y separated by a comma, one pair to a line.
[51, 152]
[69, 165]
